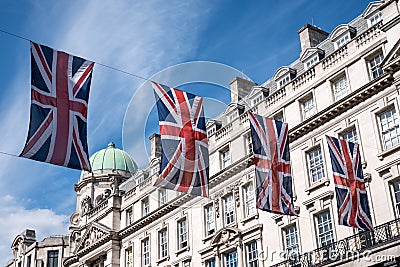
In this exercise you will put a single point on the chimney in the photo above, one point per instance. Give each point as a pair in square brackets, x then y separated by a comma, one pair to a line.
[311, 36]
[155, 146]
[240, 87]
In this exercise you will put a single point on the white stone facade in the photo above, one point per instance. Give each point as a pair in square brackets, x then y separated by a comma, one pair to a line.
[344, 85]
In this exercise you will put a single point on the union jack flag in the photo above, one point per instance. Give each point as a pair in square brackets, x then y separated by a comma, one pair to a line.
[351, 195]
[184, 155]
[60, 85]
[272, 165]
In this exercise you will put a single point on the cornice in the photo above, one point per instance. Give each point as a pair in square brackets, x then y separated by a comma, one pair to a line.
[341, 106]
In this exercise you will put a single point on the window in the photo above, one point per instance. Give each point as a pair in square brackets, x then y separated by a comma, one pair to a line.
[163, 243]
[374, 66]
[129, 257]
[342, 40]
[248, 144]
[350, 135]
[28, 261]
[307, 107]
[396, 193]
[146, 251]
[249, 198]
[374, 19]
[162, 196]
[182, 234]
[233, 116]
[210, 263]
[324, 227]
[252, 254]
[52, 258]
[340, 88]
[145, 207]
[279, 117]
[231, 259]
[285, 80]
[129, 216]
[209, 218]
[311, 62]
[258, 99]
[316, 165]
[389, 128]
[291, 241]
[229, 210]
[225, 158]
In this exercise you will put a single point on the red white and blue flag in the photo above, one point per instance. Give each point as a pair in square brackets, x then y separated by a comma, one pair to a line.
[272, 165]
[351, 195]
[184, 155]
[60, 85]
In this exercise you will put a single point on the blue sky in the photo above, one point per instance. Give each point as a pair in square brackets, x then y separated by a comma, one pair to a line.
[140, 37]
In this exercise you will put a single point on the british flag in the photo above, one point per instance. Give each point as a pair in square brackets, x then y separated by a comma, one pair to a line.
[272, 165]
[184, 156]
[351, 194]
[60, 85]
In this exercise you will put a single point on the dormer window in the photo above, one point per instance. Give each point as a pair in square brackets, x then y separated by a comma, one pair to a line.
[372, 13]
[283, 76]
[375, 18]
[212, 126]
[311, 56]
[341, 35]
[233, 111]
[258, 94]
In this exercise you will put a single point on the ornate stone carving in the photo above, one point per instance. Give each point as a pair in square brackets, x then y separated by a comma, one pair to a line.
[93, 234]
[86, 205]
[74, 219]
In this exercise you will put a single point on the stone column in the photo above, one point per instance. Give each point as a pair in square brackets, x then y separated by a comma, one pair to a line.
[217, 258]
[239, 248]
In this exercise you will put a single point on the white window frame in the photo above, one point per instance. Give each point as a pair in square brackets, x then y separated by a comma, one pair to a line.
[249, 199]
[182, 233]
[248, 144]
[145, 207]
[312, 61]
[258, 99]
[374, 68]
[210, 262]
[290, 233]
[163, 243]
[342, 40]
[227, 257]
[252, 254]
[308, 107]
[396, 196]
[350, 135]
[162, 196]
[145, 245]
[392, 130]
[129, 216]
[229, 210]
[284, 81]
[129, 257]
[323, 236]
[375, 18]
[315, 167]
[209, 218]
[225, 155]
[340, 87]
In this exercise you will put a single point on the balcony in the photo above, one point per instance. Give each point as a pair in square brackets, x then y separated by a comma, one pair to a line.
[347, 249]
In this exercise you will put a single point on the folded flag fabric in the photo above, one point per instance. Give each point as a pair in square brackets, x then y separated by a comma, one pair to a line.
[184, 155]
[351, 194]
[60, 85]
[272, 165]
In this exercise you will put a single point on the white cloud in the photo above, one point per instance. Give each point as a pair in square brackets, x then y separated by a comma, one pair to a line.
[16, 219]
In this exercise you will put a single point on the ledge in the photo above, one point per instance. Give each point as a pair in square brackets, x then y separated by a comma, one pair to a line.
[385, 153]
[320, 183]
[166, 258]
[250, 217]
[181, 250]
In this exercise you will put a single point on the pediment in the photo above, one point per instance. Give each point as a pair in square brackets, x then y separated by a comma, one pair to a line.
[232, 107]
[95, 233]
[371, 8]
[225, 236]
[256, 90]
[340, 30]
[309, 52]
[282, 71]
[392, 58]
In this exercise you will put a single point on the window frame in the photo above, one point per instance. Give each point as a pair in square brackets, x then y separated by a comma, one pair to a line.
[212, 230]
[344, 89]
[127, 251]
[326, 233]
[162, 197]
[284, 80]
[372, 19]
[309, 112]
[185, 234]
[52, 261]
[371, 69]
[227, 262]
[249, 204]
[229, 211]
[396, 205]
[145, 207]
[290, 249]
[252, 255]
[145, 254]
[162, 243]
[129, 216]
[225, 162]
[354, 139]
[396, 127]
[310, 168]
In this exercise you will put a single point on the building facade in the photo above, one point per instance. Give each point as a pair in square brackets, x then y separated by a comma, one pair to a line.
[345, 84]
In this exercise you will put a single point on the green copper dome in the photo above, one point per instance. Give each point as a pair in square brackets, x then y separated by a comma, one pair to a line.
[112, 158]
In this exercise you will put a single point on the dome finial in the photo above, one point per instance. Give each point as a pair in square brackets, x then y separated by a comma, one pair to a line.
[111, 145]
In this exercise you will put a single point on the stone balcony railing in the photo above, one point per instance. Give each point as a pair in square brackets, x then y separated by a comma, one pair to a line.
[224, 131]
[276, 96]
[304, 78]
[349, 248]
[335, 57]
[369, 34]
